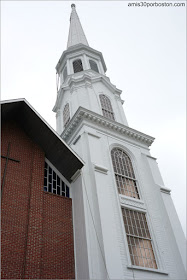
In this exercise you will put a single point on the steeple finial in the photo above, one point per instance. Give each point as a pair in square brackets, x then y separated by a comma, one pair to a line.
[76, 33]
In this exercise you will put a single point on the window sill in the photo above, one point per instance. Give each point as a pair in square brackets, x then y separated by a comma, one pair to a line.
[147, 269]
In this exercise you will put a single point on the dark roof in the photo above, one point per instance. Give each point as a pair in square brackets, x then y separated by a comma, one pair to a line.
[56, 150]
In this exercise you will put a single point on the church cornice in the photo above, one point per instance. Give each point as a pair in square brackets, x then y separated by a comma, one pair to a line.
[83, 114]
[84, 79]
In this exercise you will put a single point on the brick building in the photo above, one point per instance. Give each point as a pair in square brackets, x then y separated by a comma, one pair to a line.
[36, 216]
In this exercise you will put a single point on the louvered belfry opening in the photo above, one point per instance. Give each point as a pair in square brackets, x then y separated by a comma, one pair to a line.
[124, 173]
[66, 115]
[138, 238]
[93, 66]
[65, 73]
[77, 66]
[106, 107]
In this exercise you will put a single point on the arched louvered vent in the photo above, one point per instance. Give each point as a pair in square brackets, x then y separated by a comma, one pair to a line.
[66, 115]
[93, 66]
[77, 66]
[124, 173]
[53, 183]
[106, 107]
[65, 73]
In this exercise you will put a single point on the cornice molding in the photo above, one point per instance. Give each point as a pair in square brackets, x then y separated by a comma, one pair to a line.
[84, 79]
[83, 114]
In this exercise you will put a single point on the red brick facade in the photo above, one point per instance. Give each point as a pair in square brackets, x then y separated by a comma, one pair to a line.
[37, 231]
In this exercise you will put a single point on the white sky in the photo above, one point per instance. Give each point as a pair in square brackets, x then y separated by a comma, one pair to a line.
[145, 53]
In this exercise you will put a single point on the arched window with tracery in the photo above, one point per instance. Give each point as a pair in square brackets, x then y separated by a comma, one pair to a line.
[66, 115]
[124, 173]
[106, 107]
[77, 66]
[93, 66]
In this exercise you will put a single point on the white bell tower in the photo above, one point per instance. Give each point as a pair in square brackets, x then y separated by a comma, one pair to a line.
[125, 224]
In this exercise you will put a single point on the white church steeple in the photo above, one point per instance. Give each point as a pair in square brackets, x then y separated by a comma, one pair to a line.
[83, 82]
[123, 215]
[76, 32]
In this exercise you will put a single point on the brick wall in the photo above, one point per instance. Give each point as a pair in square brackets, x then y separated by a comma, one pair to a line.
[37, 233]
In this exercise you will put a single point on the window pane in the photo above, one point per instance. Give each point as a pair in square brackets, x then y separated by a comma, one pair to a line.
[66, 115]
[77, 66]
[93, 66]
[141, 251]
[106, 107]
[125, 178]
[54, 184]
[65, 73]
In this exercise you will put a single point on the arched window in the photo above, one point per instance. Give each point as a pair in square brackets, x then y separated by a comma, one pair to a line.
[65, 73]
[124, 173]
[53, 183]
[66, 115]
[77, 66]
[93, 66]
[106, 107]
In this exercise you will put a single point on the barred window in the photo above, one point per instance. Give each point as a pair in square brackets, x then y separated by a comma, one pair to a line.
[139, 239]
[53, 183]
[65, 73]
[93, 66]
[106, 107]
[77, 66]
[124, 173]
[66, 115]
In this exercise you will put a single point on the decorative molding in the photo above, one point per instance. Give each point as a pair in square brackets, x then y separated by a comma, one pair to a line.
[76, 175]
[150, 157]
[124, 200]
[165, 190]
[84, 114]
[94, 135]
[83, 79]
[147, 269]
[76, 140]
[100, 169]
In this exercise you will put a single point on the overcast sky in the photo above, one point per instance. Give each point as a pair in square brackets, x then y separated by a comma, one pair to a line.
[144, 49]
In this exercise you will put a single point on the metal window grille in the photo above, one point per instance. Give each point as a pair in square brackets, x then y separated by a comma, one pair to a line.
[53, 183]
[77, 66]
[66, 115]
[139, 239]
[124, 173]
[65, 73]
[93, 66]
[106, 107]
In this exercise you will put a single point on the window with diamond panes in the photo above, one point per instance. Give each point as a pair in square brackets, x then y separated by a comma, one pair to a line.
[77, 66]
[53, 183]
[106, 107]
[93, 66]
[139, 239]
[66, 115]
[124, 173]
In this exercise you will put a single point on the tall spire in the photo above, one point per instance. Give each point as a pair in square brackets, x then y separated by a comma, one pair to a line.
[76, 33]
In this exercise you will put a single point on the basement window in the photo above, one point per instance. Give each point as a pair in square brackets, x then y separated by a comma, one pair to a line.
[53, 183]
